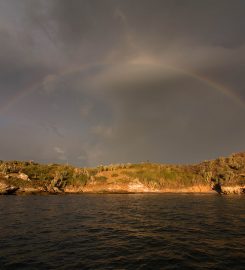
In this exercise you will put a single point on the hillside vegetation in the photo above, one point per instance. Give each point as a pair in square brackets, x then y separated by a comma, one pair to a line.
[143, 177]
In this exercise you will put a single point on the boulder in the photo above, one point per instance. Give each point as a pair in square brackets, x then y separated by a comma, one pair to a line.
[23, 176]
[7, 190]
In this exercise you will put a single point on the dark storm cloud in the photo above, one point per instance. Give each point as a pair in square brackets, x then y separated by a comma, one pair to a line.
[156, 110]
[162, 23]
[84, 30]
[117, 80]
[18, 68]
[156, 23]
[81, 21]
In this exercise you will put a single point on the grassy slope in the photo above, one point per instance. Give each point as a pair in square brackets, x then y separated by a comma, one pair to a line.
[228, 171]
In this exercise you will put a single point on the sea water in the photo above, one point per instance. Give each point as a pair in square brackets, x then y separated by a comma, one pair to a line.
[122, 231]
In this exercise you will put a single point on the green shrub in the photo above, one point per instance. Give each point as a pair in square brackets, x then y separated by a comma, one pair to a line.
[100, 179]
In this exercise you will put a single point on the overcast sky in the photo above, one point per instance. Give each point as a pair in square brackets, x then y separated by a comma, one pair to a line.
[93, 82]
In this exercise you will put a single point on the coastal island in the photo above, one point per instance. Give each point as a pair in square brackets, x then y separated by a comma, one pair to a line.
[225, 175]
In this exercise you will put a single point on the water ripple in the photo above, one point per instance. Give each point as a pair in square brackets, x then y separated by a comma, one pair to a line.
[154, 231]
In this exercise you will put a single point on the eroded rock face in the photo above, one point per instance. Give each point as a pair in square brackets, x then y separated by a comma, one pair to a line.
[6, 189]
[2, 185]
[233, 190]
[23, 176]
[73, 189]
[138, 187]
[226, 190]
[55, 187]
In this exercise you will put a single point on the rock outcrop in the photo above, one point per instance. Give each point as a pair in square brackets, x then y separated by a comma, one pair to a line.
[7, 189]
[227, 190]
[23, 176]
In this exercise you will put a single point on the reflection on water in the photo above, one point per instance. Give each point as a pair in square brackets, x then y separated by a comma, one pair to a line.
[112, 231]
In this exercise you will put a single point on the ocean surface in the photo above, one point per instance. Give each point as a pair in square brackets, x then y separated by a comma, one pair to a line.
[122, 231]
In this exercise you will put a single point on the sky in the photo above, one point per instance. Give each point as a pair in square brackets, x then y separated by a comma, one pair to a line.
[90, 82]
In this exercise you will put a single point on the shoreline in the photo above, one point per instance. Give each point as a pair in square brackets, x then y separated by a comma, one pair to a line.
[224, 175]
[165, 191]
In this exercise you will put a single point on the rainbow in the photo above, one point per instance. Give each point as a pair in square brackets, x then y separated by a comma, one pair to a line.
[220, 88]
[212, 84]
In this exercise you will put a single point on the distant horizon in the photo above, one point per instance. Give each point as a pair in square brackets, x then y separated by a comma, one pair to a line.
[119, 163]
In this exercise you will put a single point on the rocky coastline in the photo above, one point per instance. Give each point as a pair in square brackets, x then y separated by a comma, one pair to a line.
[223, 175]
